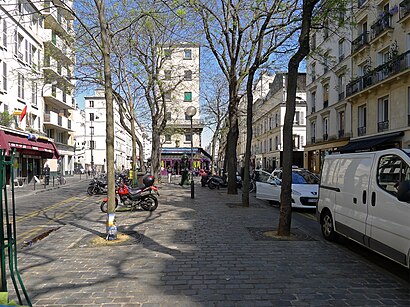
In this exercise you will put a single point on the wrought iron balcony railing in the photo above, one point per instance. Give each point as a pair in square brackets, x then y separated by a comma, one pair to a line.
[383, 126]
[382, 24]
[380, 73]
[404, 8]
[361, 131]
[360, 41]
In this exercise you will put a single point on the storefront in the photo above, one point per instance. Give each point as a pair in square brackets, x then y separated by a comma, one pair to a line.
[172, 157]
[31, 152]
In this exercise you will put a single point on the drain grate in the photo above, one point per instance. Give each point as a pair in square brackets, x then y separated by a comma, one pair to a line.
[269, 234]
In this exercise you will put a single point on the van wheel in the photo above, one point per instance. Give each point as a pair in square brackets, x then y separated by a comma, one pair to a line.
[326, 223]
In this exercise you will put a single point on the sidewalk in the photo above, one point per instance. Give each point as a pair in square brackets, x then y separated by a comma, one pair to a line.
[207, 251]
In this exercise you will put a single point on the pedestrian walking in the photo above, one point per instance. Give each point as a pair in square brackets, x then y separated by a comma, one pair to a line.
[47, 174]
[169, 171]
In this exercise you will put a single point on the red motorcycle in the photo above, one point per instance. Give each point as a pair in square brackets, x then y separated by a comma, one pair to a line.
[141, 197]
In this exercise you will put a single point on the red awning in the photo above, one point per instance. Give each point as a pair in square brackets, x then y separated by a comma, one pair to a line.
[39, 147]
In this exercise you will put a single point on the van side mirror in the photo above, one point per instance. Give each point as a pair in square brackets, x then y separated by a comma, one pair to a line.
[403, 191]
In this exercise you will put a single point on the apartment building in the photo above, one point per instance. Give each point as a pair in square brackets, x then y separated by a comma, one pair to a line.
[380, 87]
[360, 101]
[92, 139]
[58, 86]
[180, 74]
[329, 68]
[23, 89]
[268, 120]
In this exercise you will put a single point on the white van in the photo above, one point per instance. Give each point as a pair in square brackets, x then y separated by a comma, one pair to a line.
[366, 197]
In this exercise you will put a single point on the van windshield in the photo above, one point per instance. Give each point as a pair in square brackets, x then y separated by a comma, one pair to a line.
[304, 177]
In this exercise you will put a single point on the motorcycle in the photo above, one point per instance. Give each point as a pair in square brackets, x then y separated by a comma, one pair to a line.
[216, 182]
[97, 186]
[141, 197]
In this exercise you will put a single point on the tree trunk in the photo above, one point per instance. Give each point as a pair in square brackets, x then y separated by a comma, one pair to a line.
[249, 131]
[109, 108]
[232, 138]
[134, 147]
[292, 79]
[155, 155]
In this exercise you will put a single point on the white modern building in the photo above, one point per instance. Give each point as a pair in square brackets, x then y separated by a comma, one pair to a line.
[92, 139]
[35, 70]
[180, 73]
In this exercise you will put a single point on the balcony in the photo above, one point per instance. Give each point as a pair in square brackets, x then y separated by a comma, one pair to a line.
[325, 103]
[341, 133]
[56, 121]
[397, 65]
[383, 126]
[361, 41]
[404, 10]
[58, 47]
[59, 98]
[361, 131]
[381, 25]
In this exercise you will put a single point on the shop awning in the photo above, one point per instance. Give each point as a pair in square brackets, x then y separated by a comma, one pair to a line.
[372, 143]
[21, 142]
[185, 150]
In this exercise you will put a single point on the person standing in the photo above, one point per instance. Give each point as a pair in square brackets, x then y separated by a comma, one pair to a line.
[47, 174]
[169, 171]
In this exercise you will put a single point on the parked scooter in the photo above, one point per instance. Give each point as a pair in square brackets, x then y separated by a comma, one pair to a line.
[134, 199]
[216, 182]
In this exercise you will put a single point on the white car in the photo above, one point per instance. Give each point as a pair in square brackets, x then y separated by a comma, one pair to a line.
[305, 187]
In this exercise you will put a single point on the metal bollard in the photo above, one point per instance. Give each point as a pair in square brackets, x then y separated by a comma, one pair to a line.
[53, 181]
[34, 185]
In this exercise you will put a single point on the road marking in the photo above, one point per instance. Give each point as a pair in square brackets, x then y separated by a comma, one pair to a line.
[311, 216]
[45, 209]
[27, 234]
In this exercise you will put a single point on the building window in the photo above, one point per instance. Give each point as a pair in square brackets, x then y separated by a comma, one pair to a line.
[92, 144]
[296, 141]
[362, 120]
[91, 117]
[91, 103]
[33, 93]
[313, 71]
[341, 50]
[296, 120]
[187, 54]
[188, 75]
[341, 123]
[187, 96]
[270, 144]
[167, 138]
[313, 132]
[277, 147]
[341, 84]
[325, 95]
[188, 137]
[4, 36]
[325, 128]
[20, 89]
[383, 114]
[167, 74]
[313, 97]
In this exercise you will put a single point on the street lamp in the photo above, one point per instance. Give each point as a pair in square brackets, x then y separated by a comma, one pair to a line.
[190, 112]
[92, 147]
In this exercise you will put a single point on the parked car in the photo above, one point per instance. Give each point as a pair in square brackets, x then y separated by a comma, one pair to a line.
[366, 198]
[305, 186]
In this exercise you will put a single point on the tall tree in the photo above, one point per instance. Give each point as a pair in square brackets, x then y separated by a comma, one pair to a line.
[308, 7]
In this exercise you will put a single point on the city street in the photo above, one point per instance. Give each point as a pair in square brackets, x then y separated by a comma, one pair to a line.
[207, 251]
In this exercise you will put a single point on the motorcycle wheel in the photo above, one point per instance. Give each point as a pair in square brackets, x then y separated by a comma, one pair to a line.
[150, 203]
[211, 185]
[104, 206]
[91, 190]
